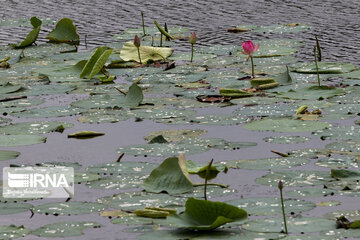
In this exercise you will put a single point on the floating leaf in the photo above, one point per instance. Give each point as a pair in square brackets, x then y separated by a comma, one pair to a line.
[351, 214]
[129, 53]
[134, 96]
[118, 182]
[345, 174]
[96, 62]
[326, 68]
[286, 139]
[174, 135]
[270, 163]
[20, 140]
[271, 206]
[7, 155]
[206, 215]
[85, 134]
[294, 225]
[12, 231]
[12, 207]
[46, 112]
[80, 177]
[64, 229]
[310, 192]
[32, 35]
[122, 168]
[285, 125]
[34, 127]
[170, 177]
[64, 32]
[68, 208]
[312, 93]
[9, 88]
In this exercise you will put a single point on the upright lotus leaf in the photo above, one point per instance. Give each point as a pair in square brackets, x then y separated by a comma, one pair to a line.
[32, 35]
[200, 169]
[134, 96]
[129, 53]
[206, 215]
[96, 62]
[64, 32]
[170, 176]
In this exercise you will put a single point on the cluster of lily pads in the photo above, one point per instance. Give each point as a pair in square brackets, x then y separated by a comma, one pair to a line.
[128, 80]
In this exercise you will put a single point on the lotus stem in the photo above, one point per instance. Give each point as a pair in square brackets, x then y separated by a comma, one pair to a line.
[143, 25]
[206, 177]
[317, 67]
[161, 36]
[139, 54]
[318, 48]
[192, 52]
[252, 67]
[281, 186]
[210, 184]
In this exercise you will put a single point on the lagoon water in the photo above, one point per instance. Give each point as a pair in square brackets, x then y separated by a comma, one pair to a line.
[336, 23]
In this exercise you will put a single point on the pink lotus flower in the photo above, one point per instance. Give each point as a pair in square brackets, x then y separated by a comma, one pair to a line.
[249, 48]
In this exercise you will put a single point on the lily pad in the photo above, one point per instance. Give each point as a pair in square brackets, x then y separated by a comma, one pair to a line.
[81, 177]
[7, 155]
[270, 163]
[286, 139]
[282, 28]
[12, 231]
[285, 125]
[312, 93]
[171, 176]
[122, 168]
[9, 88]
[271, 206]
[347, 147]
[341, 233]
[294, 225]
[130, 53]
[34, 127]
[64, 229]
[310, 192]
[350, 214]
[20, 140]
[339, 133]
[339, 161]
[295, 178]
[68, 208]
[345, 174]
[64, 32]
[12, 208]
[174, 135]
[103, 116]
[47, 112]
[206, 215]
[326, 68]
[118, 182]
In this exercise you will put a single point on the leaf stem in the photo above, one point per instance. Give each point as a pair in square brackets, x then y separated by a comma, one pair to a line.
[206, 177]
[210, 184]
[192, 52]
[139, 54]
[317, 67]
[143, 25]
[252, 67]
[283, 210]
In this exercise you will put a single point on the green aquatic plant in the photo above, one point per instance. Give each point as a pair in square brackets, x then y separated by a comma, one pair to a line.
[281, 186]
[248, 49]
[317, 67]
[137, 45]
[65, 32]
[192, 41]
[32, 35]
[142, 21]
[96, 62]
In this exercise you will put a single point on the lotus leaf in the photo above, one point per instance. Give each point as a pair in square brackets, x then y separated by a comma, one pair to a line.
[64, 32]
[64, 229]
[32, 35]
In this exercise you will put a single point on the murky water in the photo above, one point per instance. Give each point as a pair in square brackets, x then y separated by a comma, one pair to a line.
[335, 22]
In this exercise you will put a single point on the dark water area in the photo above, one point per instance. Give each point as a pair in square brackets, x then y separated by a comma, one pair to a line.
[336, 23]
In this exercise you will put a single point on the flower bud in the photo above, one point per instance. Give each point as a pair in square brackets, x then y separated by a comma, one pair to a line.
[192, 38]
[281, 185]
[137, 41]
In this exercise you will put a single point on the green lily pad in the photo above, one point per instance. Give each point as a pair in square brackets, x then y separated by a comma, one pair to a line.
[286, 139]
[200, 169]
[326, 68]
[103, 116]
[285, 125]
[64, 229]
[74, 165]
[9, 88]
[48, 89]
[81, 177]
[130, 53]
[34, 127]
[338, 161]
[295, 178]
[64, 32]
[118, 182]
[347, 147]
[206, 215]
[171, 176]
[328, 203]
[122, 168]
[270, 51]
[271, 206]
[270, 163]
[47, 112]
[12, 231]
[187, 56]
[282, 28]
[100, 101]
[345, 174]
[7, 155]
[342, 233]
[12, 208]
[278, 110]
[32, 35]
[310, 192]
[68, 208]
[294, 225]
[350, 214]
[312, 93]
[20, 140]
[174, 135]
[339, 133]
